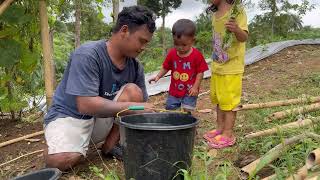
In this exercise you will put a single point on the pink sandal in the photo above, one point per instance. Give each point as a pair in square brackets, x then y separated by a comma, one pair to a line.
[211, 134]
[220, 142]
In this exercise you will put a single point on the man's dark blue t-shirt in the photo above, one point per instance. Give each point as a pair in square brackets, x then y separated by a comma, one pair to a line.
[90, 72]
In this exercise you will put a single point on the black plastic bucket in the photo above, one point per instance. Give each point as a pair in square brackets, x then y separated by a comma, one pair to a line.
[157, 145]
[44, 174]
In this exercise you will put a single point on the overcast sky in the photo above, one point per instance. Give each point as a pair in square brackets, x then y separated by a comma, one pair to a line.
[190, 9]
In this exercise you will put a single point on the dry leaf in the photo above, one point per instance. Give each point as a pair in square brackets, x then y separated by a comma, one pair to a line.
[213, 153]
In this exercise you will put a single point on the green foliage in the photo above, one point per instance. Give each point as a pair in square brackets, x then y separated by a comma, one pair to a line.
[19, 47]
[111, 175]
[204, 34]
[152, 57]
[161, 8]
[10, 51]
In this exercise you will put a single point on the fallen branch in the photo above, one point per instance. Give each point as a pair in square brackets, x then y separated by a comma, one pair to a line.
[5, 5]
[21, 138]
[285, 127]
[313, 159]
[277, 103]
[253, 168]
[12, 160]
[295, 111]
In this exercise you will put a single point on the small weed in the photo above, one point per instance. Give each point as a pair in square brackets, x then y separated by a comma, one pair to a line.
[111, 175]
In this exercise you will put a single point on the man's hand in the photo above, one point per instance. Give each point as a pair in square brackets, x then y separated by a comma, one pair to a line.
[232, 26]
[154, 79]
[194, 91]
[148, 108]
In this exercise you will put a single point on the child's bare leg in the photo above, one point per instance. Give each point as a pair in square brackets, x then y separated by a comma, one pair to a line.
[220, 119]
[229, 121]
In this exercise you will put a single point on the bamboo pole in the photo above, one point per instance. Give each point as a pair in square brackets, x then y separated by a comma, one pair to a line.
[285, 127]
[295, 111]
[273, 176]
[313, 158]
[12, 160]
[47, 54]
[5, 5]
[301, 174]
[278, 103]
[21, 138]
[253, 168]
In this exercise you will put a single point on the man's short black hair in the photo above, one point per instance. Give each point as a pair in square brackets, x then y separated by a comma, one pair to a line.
[184, 27]
[134, 17]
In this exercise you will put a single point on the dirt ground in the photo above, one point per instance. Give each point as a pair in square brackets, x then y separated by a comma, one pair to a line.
[262, 79]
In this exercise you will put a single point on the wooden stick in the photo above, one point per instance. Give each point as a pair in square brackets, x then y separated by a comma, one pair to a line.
[12, 160]
[313, 159]
[33, 140]
[253, 168]
[21, 138]
[285, 127]
[278, 103]
[295, 111]
[204, 93]
[5, 5]
[201, 94]
[301, 174]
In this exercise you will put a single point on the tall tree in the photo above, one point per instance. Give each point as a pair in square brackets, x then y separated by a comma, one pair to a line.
[115, 12]
[161, 8]
[276, 7]
[77, 22]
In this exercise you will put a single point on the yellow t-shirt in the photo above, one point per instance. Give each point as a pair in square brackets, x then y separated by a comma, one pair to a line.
[234, 55]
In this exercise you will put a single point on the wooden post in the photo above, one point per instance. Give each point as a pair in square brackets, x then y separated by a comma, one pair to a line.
[5, 5]
[47, 54]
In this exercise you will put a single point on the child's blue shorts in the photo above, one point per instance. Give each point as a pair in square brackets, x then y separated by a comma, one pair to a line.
[186, 102]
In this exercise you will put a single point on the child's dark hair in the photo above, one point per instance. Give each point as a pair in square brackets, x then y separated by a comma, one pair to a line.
[184, 27]
[134, 17]
[214, 8]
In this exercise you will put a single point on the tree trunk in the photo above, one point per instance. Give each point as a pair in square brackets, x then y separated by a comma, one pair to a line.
[77, 23]
[273, 11]
[163, 34]
[115, 5]
[47, 54]
[51, 33]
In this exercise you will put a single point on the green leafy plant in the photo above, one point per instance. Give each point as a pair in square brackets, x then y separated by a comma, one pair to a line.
[111, 175]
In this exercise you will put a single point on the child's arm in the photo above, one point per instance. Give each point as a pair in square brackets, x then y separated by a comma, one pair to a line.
[194, 91]
[240, 34]
[159, 75]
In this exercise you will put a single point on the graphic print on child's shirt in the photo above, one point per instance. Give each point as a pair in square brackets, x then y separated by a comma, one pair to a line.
[218, 52]
[184, 71]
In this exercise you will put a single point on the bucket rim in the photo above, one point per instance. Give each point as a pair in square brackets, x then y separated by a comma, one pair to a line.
[56, 175]
[157, 128]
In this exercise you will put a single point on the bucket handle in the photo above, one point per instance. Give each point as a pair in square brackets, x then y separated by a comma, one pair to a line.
[141, 108]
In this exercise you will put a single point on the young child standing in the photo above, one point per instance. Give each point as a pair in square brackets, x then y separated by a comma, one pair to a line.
[187, 66]
[227, 69]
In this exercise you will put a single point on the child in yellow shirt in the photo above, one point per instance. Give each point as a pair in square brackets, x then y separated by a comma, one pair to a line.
[227, 68]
